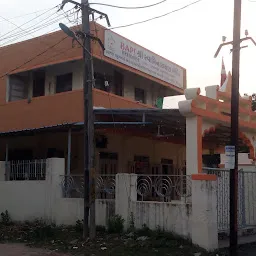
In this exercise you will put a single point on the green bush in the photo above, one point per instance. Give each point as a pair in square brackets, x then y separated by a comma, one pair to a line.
[115, 224]
[6, 218]
[40, 230]
[79, 226]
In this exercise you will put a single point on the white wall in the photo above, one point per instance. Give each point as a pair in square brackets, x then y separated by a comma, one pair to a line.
[69, 210]
[24, 200]
[172, 217]
[27, 199]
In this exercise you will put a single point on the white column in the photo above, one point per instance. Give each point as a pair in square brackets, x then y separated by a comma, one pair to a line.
[204, 211]
[126, 192]
[193, 145]
[55, 171]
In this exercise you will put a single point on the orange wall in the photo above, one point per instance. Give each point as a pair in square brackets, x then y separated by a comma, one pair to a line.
[16, 55]
[53, 109]
[56, 109]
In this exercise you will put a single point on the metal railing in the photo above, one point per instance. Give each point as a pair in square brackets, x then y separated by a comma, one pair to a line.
[26, 170]
[163, 188]
[246, 198]
[73, 186]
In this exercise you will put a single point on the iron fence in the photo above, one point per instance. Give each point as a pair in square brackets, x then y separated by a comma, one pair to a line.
[26, 170]
[246, 198]
[73, 186]
[163, 188]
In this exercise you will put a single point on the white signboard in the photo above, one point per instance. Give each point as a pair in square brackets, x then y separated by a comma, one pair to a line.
[230, 157]
[132, 55]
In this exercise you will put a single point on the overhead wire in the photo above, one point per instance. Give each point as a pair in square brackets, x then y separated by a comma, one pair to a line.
[35, 26]
[31, 27]
[35, 29]
[30, 20]
[26, 14]
[156, 17]
[128, 7]
[36, 56]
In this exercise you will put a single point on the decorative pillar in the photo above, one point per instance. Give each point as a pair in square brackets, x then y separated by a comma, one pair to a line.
[55, 171]
[124, 195]
[193, 132]
[204, 211]
[193, 145]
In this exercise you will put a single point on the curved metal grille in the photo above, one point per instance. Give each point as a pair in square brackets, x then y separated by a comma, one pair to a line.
[163, 187]
[73, 186]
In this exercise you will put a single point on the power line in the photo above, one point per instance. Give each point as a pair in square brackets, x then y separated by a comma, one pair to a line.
[26, 14]
[34, 26]
[27, 21]
[29, 32]
[41, 53]
[33, 29]
[156, 17]
[130, 7]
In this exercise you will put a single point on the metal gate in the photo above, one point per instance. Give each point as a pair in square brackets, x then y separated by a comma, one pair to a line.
[246, 198]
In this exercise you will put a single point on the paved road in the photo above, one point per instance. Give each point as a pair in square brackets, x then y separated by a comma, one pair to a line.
[22, 250]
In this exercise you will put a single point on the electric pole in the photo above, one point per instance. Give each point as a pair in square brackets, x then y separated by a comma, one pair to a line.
[88, 83]
[233, 183]
[233, 192]
[88, 122]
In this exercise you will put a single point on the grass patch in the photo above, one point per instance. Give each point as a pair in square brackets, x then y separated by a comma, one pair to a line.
[111, 241]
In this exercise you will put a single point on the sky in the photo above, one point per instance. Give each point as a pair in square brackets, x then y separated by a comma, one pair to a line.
[189, 37]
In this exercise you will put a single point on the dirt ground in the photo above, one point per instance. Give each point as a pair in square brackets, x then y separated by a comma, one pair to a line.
[22, 250]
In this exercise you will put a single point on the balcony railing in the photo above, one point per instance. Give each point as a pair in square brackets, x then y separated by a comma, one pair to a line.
[26, 170]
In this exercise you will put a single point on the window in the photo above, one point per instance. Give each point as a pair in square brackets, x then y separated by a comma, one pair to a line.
[99, 81]
[118, 83]
[64, 83]
[38, 84]
[167, 166]
[140, 95]
[142, 165]
[18, 87]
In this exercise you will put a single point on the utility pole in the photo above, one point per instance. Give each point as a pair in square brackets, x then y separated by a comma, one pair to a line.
[233, 195]
[88, 82]
[88, 126]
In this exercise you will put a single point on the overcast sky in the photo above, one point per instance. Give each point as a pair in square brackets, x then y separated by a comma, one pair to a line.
[189, 37]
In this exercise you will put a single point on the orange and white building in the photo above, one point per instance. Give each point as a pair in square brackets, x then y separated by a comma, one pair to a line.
[150, 162]
[42, 100]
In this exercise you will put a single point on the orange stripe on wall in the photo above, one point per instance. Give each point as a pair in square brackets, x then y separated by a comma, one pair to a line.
[210, 177]
[199, 144]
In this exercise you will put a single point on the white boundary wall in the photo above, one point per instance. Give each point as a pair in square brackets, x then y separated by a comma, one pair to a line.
[29, 200]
